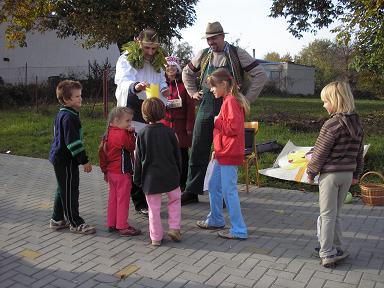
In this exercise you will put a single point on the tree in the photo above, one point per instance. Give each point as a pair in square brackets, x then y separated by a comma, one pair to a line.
[331, 61]
[182, 50]
[272, 57]
[275, 57]
[362, 25]
[95, 22]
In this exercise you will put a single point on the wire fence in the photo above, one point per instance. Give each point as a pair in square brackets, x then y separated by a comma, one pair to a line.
[36, 85]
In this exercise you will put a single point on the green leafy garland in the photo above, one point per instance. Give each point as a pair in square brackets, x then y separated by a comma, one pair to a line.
[135, 56]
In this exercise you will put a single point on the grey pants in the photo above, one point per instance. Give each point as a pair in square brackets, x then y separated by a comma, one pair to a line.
[333, 187]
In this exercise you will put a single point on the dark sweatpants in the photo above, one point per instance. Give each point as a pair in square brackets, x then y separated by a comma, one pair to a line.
[66, 203]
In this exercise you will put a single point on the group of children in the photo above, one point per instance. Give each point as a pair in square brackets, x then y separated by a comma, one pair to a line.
[153, 156]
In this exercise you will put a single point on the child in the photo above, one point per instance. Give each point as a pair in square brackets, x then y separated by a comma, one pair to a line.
[67, 152]
[157, 170]
[338, 157]
[180, 115]
[116, 163]
[228, 142]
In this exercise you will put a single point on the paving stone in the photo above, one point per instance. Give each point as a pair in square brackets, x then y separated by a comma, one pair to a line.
[277, 254]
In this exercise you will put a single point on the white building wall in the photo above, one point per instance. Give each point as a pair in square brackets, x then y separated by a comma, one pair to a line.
[291, 78]
[300, 79]
[47, 55]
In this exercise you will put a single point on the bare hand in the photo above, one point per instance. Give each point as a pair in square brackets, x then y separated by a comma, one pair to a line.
[213, 155]
[141, 86]
[87, 167]
[165, 93]
[131, 129]
[355, 181]
[214, 119]
[198, 95]
[310, 180]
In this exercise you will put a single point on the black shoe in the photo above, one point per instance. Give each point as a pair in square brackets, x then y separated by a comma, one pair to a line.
[188, 198]
[143, 212]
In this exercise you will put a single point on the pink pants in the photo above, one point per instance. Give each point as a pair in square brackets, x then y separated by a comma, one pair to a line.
[118, 202]
[174, 213]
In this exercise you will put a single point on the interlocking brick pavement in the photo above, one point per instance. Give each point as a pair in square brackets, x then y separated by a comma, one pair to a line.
[278, 252]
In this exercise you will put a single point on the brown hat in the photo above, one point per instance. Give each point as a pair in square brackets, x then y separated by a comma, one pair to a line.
[213, 29]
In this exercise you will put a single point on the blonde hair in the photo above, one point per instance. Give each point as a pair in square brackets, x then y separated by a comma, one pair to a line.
[115, 114]
[222, 75]
[65, 89]
[339, 95]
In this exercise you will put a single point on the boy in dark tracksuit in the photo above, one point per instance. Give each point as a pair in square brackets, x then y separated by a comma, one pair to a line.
[67, 153]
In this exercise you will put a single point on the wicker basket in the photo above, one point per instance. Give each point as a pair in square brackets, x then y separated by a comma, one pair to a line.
[372, 193]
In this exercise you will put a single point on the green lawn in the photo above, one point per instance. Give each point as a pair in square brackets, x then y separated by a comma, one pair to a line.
[25, 132]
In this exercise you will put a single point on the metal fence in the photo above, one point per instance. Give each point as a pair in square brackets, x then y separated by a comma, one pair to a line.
[98, 84]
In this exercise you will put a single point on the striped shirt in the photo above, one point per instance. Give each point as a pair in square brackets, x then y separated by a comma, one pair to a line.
[339, 146]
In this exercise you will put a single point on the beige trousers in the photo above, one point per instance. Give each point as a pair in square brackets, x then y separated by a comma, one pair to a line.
[333, 187]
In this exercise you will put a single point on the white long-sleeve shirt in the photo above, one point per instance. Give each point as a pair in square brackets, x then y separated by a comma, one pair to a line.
[127, 75]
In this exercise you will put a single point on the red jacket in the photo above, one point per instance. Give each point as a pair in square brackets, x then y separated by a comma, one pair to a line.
[111, 159]
[182, 119]
[228, 133]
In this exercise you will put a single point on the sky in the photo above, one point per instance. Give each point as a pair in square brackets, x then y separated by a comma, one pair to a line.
[248, 21]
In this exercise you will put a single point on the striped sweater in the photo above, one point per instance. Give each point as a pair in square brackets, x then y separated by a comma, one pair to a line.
[67, 141]
[339, 146]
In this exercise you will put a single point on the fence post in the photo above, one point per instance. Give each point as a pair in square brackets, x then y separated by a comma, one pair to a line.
[26, 73]
[105, 92]
[37, 101]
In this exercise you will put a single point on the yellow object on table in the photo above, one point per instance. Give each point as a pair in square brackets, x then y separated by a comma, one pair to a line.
[153, 90]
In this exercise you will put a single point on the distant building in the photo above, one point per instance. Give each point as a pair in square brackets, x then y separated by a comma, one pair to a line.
[47, 56]
[291, 78]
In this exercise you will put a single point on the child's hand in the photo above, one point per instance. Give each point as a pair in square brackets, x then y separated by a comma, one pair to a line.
[87, 167]
[214, 119]
[310, 180]
[213, 155]
[141, 86]
[131, 129]
[355, 181]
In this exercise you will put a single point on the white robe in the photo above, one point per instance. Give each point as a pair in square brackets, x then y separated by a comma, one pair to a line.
[126, 75]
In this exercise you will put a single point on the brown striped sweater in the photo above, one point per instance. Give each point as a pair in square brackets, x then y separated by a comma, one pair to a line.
[339, 146]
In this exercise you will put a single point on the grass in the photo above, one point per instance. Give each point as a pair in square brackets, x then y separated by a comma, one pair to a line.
[25, 132]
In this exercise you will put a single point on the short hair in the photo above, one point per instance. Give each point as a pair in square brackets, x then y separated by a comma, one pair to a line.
[339, 95]
[148, 35]
[153, 110]
[65, 89]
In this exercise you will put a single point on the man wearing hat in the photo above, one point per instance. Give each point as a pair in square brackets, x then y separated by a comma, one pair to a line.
[220, 54]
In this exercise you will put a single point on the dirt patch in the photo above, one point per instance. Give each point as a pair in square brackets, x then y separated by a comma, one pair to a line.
[373, 123]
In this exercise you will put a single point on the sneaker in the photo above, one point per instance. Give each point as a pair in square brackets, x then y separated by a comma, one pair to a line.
[204, 225]
[316, 251]
[130, 231]
[112, 229]
[189, 198]
[174, 234]
[155, 243]
[143, 211]
[83, 229]
[57, 225]
[227, 235]
[330, 261]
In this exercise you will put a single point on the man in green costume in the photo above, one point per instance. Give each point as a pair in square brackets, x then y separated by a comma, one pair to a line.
[220, 54]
